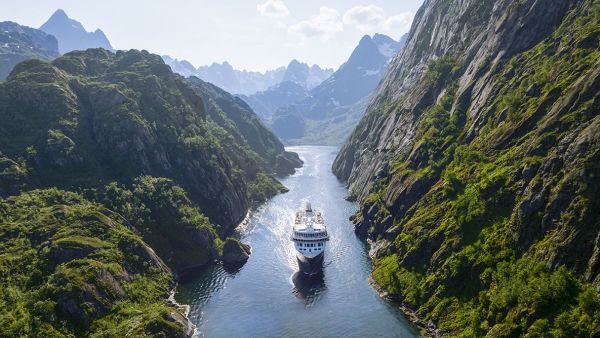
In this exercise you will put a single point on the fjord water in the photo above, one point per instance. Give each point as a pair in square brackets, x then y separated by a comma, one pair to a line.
[267, 298]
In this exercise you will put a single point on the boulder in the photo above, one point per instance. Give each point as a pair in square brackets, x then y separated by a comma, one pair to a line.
[234, 252]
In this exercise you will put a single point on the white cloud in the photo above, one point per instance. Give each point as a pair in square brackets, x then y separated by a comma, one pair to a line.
[323, 25]
[373, 19]
[398, 24]
[273, 9]
[365, 18]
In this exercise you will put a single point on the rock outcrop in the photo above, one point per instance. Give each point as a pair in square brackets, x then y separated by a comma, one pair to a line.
[476, 167]
[235, 253]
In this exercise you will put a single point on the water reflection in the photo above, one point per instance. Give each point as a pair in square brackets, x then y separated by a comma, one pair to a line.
[233, 269]
[308, 287]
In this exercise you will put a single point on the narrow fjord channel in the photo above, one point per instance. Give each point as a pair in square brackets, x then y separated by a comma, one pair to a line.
[266, 299]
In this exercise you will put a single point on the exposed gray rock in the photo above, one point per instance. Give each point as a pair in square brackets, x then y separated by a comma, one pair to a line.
[235, 253]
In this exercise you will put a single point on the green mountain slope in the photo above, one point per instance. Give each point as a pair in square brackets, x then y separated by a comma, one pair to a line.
[477, 169]
[69, 267]
[92, 117]
[163, 170]
[240, 121]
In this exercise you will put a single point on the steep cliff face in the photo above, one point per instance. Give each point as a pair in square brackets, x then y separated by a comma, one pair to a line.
[91, 117]
[477, 167]
[240, 121]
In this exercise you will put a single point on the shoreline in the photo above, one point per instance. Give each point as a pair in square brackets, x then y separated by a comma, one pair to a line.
[184, 311]
[425, 328]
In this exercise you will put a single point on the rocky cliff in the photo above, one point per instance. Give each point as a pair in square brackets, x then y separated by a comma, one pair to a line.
[95, 116]
[476, 166]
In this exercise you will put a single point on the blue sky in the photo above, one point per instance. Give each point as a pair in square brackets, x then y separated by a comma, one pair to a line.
[250, 34]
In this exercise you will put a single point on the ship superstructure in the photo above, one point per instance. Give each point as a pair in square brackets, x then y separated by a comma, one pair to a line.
[310, 237]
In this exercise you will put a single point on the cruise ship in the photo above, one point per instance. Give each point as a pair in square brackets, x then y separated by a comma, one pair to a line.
[309, 236]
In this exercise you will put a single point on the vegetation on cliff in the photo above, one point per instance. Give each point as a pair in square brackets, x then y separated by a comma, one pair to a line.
[90, 118]
[485, 215]
[69, 267]
[161, 170]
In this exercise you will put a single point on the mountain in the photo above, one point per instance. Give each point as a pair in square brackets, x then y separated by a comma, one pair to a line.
[237, 81]
[248, 83]
[476, 168]
[327, 105]
[19, 43]
[181, 67]
[137, 177]
[239, 120]
[267, 102]
[305, 76]
[71, 35]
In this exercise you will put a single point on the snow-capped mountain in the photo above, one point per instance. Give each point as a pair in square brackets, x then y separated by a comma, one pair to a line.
[327, 106]
[243, 82]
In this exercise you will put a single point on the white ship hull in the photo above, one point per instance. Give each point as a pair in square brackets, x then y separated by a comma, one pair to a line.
[310, 237]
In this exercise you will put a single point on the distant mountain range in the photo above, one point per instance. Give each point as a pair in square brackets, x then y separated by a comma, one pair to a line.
[244, 82]
[19, 43]
[301, 103]
[266, 103]
[57, 36]
[328, 113]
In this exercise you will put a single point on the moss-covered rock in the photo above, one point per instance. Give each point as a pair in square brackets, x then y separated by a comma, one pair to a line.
[166, 219]
[234, 252]
[69, 267]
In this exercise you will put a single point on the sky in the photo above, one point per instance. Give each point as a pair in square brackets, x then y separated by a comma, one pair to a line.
[255, 35]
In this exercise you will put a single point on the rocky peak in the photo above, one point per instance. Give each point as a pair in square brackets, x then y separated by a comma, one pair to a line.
[296, 72]
[72, 35]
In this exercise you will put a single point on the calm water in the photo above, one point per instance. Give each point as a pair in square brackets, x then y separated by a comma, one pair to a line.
[266, 298]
